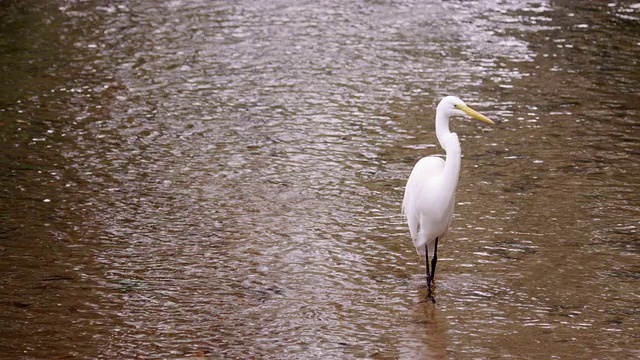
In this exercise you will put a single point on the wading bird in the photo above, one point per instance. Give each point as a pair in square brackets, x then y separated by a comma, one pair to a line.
[429, 196]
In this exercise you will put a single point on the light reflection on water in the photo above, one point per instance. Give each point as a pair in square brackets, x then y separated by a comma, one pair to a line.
[226, 179]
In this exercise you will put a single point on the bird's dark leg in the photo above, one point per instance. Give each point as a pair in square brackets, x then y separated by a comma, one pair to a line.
[435, 260]
[429, 275]
[428, 271]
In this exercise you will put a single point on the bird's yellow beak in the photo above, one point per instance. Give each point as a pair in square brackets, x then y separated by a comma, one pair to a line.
[474, 114]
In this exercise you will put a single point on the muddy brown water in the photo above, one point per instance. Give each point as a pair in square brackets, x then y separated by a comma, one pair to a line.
[224, 179]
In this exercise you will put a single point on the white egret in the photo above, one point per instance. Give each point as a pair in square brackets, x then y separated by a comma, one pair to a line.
[429, 196]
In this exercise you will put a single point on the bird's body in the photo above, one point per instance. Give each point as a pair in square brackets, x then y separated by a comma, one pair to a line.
[431, 202]
[429, 196]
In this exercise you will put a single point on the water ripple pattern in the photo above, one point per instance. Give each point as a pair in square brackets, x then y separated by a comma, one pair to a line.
[224, 180]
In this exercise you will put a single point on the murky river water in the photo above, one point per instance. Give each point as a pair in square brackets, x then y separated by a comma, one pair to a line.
[224, 179]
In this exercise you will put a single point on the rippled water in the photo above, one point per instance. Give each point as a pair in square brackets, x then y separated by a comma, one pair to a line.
[224, 179]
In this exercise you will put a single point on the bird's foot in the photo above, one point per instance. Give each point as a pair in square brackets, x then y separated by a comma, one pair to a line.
[427, 296]
[431, 283]
[430, 296]
[430, 291]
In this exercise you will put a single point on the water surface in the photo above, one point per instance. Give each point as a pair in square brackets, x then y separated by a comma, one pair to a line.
[224, 179]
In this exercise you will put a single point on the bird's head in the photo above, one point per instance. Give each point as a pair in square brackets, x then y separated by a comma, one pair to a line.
[453, 106]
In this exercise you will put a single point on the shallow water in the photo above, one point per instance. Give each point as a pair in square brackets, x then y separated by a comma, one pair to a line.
[224, 179]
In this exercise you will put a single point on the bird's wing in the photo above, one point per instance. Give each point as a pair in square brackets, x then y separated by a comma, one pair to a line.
[426, 169]
[417, 186]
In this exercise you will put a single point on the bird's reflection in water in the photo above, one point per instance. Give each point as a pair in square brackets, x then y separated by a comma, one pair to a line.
[426, 335]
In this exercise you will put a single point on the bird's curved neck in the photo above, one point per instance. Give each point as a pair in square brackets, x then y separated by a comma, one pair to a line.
[451, 145]
[442, 129]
